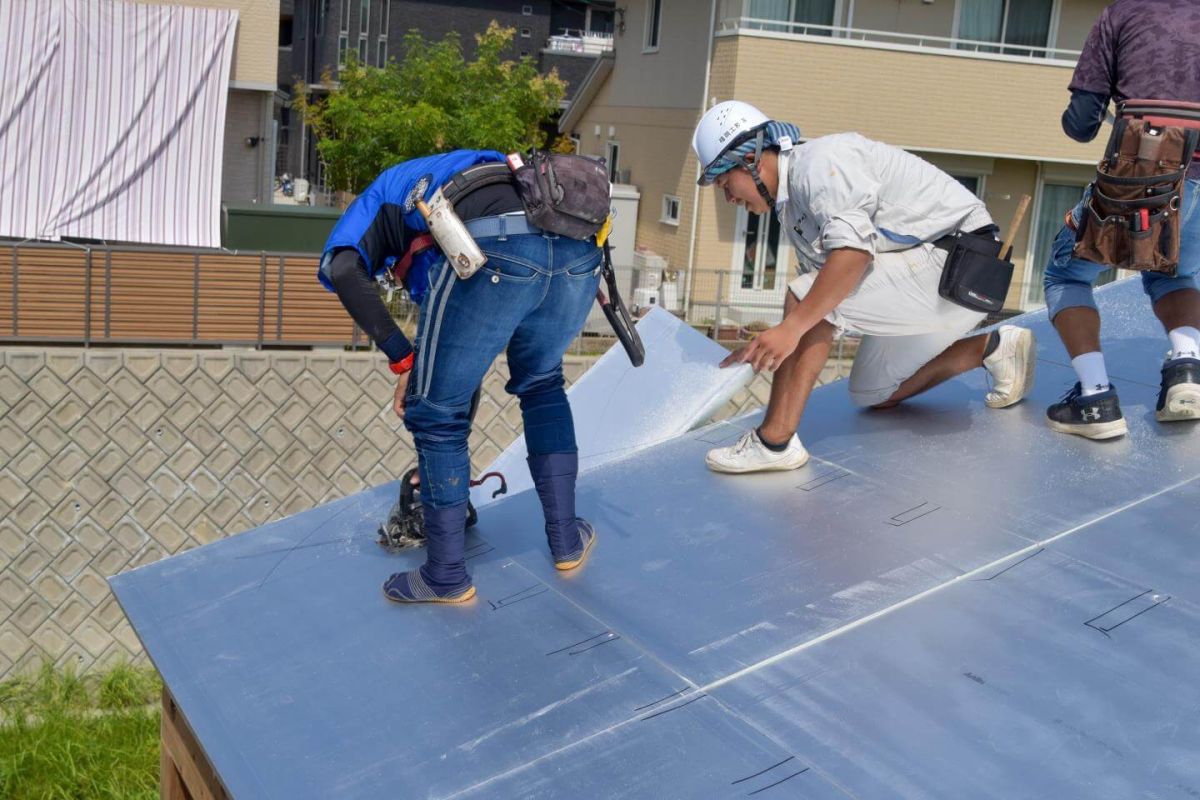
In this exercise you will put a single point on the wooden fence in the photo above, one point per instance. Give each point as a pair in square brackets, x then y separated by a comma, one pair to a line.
[143, 295]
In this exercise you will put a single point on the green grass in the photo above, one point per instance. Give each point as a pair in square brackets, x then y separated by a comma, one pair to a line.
[70, 737]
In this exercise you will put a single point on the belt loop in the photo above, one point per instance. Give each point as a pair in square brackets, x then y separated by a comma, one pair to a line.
[503, 228]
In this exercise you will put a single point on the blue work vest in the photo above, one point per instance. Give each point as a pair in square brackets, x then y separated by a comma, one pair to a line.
[383, 220]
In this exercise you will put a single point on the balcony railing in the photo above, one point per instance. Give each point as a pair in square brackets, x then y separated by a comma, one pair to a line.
[581, 42]
[834, 34]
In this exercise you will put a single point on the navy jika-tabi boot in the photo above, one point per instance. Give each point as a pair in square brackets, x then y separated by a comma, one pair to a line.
[443, 578]
[570, 538]
[587, 538]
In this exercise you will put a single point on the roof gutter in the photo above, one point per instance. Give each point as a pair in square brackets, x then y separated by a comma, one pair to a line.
[687, 289]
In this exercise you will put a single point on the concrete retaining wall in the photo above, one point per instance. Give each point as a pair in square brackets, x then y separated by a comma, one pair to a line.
[113, 458]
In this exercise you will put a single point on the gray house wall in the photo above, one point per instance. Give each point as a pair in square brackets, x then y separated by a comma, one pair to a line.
[245, 171]
[434, 19]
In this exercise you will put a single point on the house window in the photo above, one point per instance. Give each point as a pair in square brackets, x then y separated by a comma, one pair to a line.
[612, 154]
[527, 11]
[670, 210]
[761, 265]
[344, 16]
[343, 47]
[526, 33]
[972, 183]
[281, 143]
[1056, 200]
[1024, 24]
[799, 12]
[362, 50]
[381, 45]
[597, 21]
[285, 31]
[653, 25]
[364, 18]
[813, 12]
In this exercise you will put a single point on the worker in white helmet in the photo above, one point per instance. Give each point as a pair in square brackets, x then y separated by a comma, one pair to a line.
[871, 225]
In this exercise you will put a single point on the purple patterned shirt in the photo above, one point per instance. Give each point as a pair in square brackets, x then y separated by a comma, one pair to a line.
[1144, 49]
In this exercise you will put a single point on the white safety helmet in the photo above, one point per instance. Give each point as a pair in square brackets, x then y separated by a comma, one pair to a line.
[722, 127]
[730, 132]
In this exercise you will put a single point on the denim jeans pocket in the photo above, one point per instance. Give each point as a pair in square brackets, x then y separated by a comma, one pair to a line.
[509, 268]
[584, 267]
[1063, 248]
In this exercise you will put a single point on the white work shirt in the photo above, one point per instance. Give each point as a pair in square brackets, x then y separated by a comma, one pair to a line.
[845, 190]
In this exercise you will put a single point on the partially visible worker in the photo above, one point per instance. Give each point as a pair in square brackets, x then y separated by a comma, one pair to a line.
[530, 298]
[872, 226]
[1147, 49]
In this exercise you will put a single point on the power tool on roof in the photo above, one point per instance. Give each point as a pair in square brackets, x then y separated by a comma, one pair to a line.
[405, 525]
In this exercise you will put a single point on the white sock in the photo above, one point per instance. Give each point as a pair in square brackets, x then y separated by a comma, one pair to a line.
[1185, 342]
[1093, 377]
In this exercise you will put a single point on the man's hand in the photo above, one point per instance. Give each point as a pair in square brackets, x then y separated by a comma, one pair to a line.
[770, 348]
[401, 391]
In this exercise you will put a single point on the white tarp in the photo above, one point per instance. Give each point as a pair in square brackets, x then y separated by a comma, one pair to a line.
[112, 120]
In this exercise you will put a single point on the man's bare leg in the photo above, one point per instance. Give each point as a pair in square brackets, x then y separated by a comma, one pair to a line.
[794, 380]
[774, 446]
[960, 357]
[1079, 329]
[1178, 309]
[1090, 409]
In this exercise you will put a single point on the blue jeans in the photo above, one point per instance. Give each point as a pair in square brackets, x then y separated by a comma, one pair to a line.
[532, 296]
[1069, 280]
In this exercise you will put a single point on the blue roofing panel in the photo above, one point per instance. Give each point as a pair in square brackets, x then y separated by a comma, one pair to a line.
[948, 601]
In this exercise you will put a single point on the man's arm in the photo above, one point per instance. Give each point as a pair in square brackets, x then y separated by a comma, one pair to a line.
[359, 295]
[1084, 115]
[1093, 82]
[835, 281]
[841, 272]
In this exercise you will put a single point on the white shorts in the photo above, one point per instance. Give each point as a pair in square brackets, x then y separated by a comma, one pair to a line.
[903, 320]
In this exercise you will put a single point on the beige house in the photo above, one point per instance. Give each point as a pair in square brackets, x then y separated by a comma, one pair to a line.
[977, 87]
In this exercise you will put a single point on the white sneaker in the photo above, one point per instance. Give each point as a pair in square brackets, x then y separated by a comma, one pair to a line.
[749, 454]
[1011, 366]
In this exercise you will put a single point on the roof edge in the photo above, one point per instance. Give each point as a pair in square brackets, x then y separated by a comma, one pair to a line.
[587, 92]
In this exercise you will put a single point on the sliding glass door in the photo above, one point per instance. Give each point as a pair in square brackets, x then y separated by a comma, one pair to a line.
[1023, 24]
[803, 12]
[760, 266]
[1057, 199]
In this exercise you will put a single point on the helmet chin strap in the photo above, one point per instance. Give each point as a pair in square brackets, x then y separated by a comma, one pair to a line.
[752, 168]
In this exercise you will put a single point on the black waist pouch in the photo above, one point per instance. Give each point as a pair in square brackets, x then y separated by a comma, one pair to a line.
[974, 276]
[565, 194]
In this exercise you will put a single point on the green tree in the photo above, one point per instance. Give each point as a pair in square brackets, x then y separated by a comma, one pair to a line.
[434, 100]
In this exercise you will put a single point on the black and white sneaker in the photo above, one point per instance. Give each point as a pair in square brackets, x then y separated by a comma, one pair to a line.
[1097, 416]
[1179, 398]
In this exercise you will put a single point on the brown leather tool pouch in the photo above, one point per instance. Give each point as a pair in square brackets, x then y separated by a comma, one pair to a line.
[1131, 220]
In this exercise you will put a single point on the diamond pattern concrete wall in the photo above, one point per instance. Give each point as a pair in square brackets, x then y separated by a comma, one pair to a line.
[116, 458]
